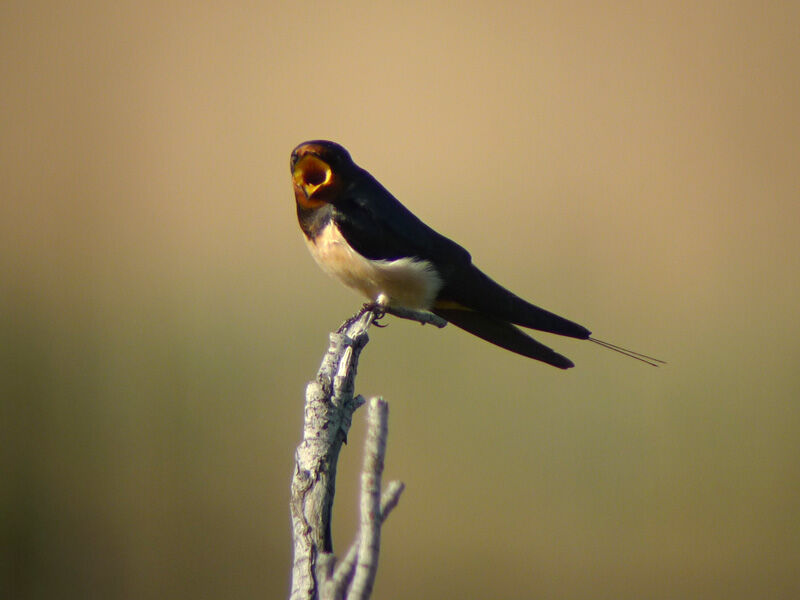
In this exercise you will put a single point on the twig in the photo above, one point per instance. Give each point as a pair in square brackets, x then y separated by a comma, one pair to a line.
[370, 533]
[344, 570]
[329, 411]
[329, 407]
[422, 316]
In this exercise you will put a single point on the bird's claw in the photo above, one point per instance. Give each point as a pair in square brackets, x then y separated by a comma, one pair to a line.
[379, 312]
[376, 308]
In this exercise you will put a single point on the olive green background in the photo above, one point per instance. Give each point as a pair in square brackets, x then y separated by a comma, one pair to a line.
[634, 167]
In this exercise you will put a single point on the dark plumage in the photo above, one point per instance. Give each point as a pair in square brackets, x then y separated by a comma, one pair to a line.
[363, 235]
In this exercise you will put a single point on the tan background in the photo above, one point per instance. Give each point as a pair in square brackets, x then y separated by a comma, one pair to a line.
[633, 167]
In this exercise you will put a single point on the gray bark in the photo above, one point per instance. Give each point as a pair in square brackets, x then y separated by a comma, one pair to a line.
[329, 406]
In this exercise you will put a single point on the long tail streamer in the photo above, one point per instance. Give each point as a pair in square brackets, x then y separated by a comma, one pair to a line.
[653, 362]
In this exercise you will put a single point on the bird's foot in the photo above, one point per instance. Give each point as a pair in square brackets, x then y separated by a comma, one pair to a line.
[349, 322]
[378, 310]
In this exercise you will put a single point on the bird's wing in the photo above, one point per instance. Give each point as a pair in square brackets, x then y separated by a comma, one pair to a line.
[379, 227]
[472, 289]
[503, 334]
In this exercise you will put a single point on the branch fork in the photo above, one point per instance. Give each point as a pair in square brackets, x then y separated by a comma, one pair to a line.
[329, 407]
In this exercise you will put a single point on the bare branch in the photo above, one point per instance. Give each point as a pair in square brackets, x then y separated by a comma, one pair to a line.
[370, 532]
[343, 574]
[329, 407]
[422, 316]
[329, 411]
[390, 498]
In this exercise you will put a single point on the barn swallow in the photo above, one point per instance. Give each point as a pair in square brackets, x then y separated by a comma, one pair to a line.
[362, 235]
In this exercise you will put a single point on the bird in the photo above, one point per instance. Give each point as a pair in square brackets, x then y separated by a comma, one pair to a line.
[359, 233]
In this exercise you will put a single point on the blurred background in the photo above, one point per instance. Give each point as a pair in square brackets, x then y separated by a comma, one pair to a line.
[633, 167]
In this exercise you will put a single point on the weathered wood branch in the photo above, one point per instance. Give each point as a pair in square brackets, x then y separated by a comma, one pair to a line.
[343, 573]
[329, 407]
[369, 543]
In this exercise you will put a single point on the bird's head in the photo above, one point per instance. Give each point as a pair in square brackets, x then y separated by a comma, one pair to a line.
[320, 170]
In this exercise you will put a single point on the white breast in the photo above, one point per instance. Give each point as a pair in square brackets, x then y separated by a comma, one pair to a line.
[407, 282]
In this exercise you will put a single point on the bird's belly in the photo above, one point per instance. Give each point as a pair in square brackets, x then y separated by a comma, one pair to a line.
[407, 282]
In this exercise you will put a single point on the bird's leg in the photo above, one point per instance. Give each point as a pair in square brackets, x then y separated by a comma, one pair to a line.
[379, 309]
